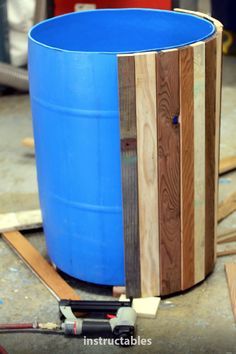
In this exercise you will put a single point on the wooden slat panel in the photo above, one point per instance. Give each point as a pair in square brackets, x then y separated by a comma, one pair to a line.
[230, 269]
[218, 117]
[199, 160]
[126, 67]
[169, 170]
[210, 154]
[44, 271]
[187, 165]
[145, 72]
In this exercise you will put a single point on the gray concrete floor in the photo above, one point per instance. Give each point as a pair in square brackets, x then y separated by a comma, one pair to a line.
[199, 321]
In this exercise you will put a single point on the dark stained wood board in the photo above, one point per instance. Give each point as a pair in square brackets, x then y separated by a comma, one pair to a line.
[210, 232]
[127, 102]
[168, 131]
[187, 164]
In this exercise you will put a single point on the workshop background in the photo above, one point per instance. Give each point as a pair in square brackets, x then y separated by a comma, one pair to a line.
[200, 320]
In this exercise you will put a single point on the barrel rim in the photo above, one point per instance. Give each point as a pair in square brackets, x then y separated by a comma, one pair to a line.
[175, 13]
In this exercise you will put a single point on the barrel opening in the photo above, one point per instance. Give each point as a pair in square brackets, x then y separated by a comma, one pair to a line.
[121, 31]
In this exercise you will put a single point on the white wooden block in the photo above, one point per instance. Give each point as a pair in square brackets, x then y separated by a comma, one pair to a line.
[145, 307]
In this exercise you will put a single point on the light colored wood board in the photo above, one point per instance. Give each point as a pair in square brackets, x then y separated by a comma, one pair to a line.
[187, 164]
[145, 74]
[218, 119]
[144, 307]
[227, 207]
[226, 237]
[211, 188]
[199, 161]
[21, 220]
[226, 253]
[28, 142]
[127, 106]
[230, 269]
[227, 164]
[169, 170]
[44, 271]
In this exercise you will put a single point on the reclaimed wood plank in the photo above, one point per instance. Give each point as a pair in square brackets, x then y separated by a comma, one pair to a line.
[187, 164]
[43, 270]
[199, 161]
[210, 231]
[127, 99]
[145, 74]
[169, 170]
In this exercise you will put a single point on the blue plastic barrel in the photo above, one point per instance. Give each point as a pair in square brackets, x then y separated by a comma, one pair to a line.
[74, 100]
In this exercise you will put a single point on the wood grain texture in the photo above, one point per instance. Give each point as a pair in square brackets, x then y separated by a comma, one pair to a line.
[210, 231]
[199, 161]
[219, 31]
[230, 269]
[227, 207]
[127, 99]
[227, 164]
[21, 220]
[44, 271]
[187, 164]
[145, 73]
[169, 171]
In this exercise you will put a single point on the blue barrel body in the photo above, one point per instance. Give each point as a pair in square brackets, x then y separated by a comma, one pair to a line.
[74, 100]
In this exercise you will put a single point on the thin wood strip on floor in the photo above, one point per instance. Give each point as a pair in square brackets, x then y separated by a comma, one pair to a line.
[227, 207]
[168, 131]
[187, 164]
[210, 125]
[199, 161]
[43, 270]
[226, 237]
[145, 75]
[230, 252]
[127, 103]
[227, 165]
[230, 269]
[21, 220]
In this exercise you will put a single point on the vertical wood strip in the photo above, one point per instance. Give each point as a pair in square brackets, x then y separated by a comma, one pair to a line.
[145, 73]
[187, 165]
[218, 117]
[210, 127]
[169, 170]
[199, 160]
[127, 99]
